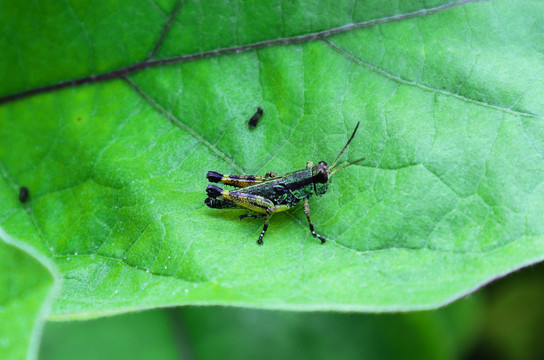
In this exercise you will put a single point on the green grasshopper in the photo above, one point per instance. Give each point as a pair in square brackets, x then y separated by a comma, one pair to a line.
[273, 193]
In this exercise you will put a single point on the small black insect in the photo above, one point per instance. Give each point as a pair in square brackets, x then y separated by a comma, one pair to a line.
[23, 194]
[255, 118]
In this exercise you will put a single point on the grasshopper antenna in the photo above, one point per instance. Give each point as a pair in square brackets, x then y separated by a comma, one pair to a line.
[345, 166]
[341, 152]
[345, 146]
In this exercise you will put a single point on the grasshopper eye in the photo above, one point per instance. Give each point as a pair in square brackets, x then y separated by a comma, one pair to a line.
[321, 176]
[321, 173]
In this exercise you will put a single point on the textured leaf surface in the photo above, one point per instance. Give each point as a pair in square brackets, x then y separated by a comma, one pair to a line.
[450, 196]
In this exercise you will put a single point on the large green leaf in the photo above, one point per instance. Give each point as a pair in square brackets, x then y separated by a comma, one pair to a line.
[450, 195]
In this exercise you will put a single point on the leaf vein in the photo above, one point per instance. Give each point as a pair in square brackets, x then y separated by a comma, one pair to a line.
[423, 86]
[119, 73]
[174, 120]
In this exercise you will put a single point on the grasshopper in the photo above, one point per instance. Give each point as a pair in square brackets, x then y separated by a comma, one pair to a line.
[273, 193]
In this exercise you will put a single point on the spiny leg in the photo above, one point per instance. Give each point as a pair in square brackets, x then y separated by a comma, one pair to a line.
[307, 212]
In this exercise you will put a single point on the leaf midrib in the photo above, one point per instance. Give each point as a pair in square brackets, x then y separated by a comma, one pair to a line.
[218, 52]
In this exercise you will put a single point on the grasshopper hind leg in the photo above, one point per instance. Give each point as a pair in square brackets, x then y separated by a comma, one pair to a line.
[239, 181]
[220, 198]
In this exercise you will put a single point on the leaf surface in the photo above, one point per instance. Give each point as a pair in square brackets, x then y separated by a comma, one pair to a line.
[450, 195]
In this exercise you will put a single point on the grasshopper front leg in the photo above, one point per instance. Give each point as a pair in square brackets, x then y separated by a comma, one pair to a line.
[307, 212]
[309, 165]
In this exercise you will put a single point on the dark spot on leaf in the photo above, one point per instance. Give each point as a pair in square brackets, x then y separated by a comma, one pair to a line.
[23, 194]
[255, 118]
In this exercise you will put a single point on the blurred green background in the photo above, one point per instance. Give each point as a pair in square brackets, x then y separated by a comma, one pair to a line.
[504, 320]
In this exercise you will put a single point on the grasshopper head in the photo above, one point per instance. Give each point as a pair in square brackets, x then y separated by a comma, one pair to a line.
[320, 175]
